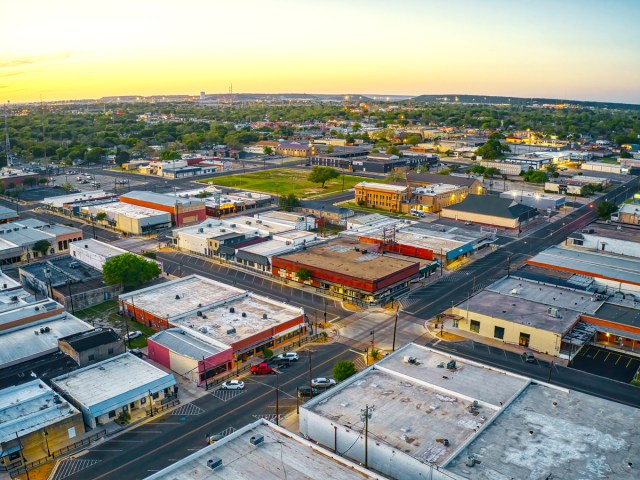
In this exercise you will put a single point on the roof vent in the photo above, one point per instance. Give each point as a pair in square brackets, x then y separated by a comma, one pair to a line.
[232, 310]
[86, 246]
[231, 331]
[264, 316]
[199, 313]
[177, 297]
[244, 314]
[256, 440]
[214, 462]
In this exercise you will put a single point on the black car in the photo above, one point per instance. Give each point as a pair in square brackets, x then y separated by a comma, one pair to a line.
[306, 391]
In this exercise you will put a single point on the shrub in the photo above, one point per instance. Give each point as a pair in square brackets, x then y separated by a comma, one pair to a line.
[150, 255]
[267, 353]
[343, 370]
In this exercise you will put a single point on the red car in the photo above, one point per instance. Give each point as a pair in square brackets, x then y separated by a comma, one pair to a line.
[262, 369]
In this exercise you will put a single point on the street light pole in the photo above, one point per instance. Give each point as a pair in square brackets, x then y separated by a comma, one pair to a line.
[395, 327]
[310, 376]
[277, 400]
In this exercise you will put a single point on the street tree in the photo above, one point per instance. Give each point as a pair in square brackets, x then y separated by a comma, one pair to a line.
[605, 209]
[170, 155]
[491, 172]
[322, 175]
[288, 202]
[267, 150]
[492, 150]
[343, 370]
[101, 217]
[130, 270]
[479, 169]
[122, 156]
[67, 187]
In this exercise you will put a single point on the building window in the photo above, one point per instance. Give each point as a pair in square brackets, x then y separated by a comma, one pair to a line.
[498, 332]
[143, 400]
[110, 351]
[524, 339]
[92, 357]
[156, 395]
[112, 414]
[475, 326]
[577, 242]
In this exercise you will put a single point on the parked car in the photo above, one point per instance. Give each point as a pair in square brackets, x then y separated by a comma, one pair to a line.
[132, 335]
[233, 385]
[95, 184]
[306, 391]
[137, 352]
[211, 439]
[323, 382]
[262, 369]
[528, 357]
[287, 357]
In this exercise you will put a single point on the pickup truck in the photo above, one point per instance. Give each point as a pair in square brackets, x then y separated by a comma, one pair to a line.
[262, 369]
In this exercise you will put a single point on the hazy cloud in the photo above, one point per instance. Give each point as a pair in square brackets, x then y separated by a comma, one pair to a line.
[35, 60]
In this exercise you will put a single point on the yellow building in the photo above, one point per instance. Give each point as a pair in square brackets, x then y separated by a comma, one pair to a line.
[435, 197]
[516, 321]
[381, 195]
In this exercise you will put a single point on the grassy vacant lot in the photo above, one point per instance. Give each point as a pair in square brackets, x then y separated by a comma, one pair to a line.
[106, 314]
[282, 181]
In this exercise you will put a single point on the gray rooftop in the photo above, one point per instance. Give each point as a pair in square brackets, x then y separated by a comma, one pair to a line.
[179, 341]
[555, 433]
[619, 314]
[594, 264]
[519, 310]
[160, 198]
[30, 407]
[281, 455]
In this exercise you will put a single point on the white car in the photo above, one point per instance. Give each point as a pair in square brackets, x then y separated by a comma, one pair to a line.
[323, 382]
[287, 357]
[132, 335]
[233, 385]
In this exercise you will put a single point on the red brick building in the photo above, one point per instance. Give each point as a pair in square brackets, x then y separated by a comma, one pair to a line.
[356, 271]
[184, 211]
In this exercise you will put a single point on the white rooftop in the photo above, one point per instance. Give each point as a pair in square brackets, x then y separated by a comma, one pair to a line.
[220, 323]
[436, 189]
[382, 186]
[281, 455]
[181, 297]
[60, 200]
[269, 248]
[96, 246]
[129, 210]
[30, 407]
[108, 379]
[530, 194]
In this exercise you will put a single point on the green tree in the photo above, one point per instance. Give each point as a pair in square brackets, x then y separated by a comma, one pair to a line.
[43, 180]
[170, 155]
[445, 171]
[492, 149]
[67, 187]
[413, 139]
[322, 174]
[94, 154]
[343, 370]
[304, 275]
[130, 270]
[42, 246]
[149, 254]
[122, 156]
[479, 169]
[101, 217]
[605, 209]
[535, 176]
[330, 149]
[397, 177]
[491, 172]
[29, 182]
[288, 202]
[267, 150]
[393, 150]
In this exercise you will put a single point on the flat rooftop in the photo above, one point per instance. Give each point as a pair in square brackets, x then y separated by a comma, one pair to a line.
[179, 341]
[515, 194]
[160, 198]
[131, 211]
[60, 200]
[539, 292]
[342, 256]
[619, 314]
[626, 269]
[382, 186]
[62, 269]
[630, 208]
[436, 189]
[96, 246]
[110, 378]
[30, 407]
[416, 404]
[223, 325]
[555, 433]
[280, 452]
[282, 216]
[624, 232]
[269, 248]
[519, 310]
[22, 343]
[182, 296]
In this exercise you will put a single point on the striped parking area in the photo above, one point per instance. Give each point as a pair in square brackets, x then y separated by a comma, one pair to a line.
[71, 466]
[187, 409]
[607, 363]
[226, 395]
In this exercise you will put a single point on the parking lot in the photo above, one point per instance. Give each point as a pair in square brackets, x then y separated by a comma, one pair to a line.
[606, 363]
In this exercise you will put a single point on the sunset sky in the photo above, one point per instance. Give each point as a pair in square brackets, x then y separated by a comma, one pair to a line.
[569, 49]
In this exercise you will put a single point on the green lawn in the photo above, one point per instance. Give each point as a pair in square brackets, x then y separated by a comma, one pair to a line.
[282, 181]
[612, 161]
[107, 312]
[355, 206]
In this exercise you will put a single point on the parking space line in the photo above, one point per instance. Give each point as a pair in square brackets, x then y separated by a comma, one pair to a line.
[597, 352]
[605, 358]
[619, 357]
[629, 362]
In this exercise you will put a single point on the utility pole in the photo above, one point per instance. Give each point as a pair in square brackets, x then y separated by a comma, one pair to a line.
[7, 143]
[277, 400]
[310, 374]
[365, 415]
[395, 327]
[508, 266]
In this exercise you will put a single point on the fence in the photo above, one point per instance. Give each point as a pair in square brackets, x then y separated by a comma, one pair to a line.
[167, 403]
[53, 456]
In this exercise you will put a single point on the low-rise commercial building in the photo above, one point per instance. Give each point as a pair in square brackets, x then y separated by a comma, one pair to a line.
[36, 423]
[435, 197]
[190, 354]
[491, 210]
[95, 253]
[380, 195]
[66, 202]
[8, 215]
[605, 167]
[183, 211]
[246, 322]
[131, 219]
[296, 149]
[607, 237]
[542, 201]
[18, 239]
[573, 186]
[92, 346]
[628, 213]
[356, 271]
[441, 417]
[471, 185]
[125, 383]
[254, 448]
[294, 220]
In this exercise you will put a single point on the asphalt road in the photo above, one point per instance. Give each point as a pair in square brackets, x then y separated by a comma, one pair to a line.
[181, 264]
[428, 301]
[162, 441]
[541, 370]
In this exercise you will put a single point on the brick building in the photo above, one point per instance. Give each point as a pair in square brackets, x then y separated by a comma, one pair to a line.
[184, 211]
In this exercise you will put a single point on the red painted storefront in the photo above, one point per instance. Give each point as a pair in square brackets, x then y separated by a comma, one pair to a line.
[185, 214]
[401, 249]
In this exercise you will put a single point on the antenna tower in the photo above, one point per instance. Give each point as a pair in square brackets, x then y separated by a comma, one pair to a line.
[7, 143]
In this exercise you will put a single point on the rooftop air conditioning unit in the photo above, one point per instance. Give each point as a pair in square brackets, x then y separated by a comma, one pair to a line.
[232, 310]
[244, 314]
[214, 462]
[231, 331]
[223, 230]
[256, 440]
[199, 313]
[233, 225]
[201, 230]
[258, 221]
[264, 316]
[553, 312]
